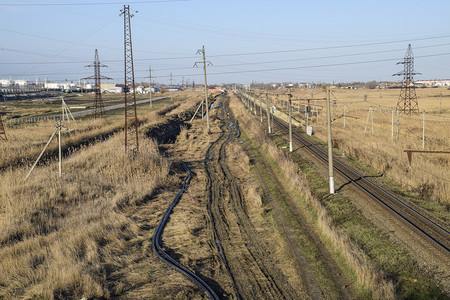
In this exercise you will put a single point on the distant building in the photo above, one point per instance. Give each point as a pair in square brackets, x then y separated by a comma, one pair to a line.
[5, 82]
[114, 89]
[68, 87]
[139, 90]
[147, 90]
[173, 89]
[20, 83]
[433, 83]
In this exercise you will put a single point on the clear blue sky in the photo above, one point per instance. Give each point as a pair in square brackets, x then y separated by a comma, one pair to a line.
[358, 41]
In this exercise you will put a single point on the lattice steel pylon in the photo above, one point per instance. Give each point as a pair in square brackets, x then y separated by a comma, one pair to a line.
[131, 121]
[407, 101]
[99, 109]
[2, 130]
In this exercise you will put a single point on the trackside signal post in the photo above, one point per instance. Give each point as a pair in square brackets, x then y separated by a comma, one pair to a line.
[330, 145]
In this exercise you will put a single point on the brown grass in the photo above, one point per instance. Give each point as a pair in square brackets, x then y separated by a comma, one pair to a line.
[25, 142]
[66, 238]
[430, 172]
[59, 236]
[367, 275]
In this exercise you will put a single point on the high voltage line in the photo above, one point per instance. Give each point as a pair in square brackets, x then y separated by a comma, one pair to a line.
[263, 70]
[228, 65]
[90, 3]
[248, 53]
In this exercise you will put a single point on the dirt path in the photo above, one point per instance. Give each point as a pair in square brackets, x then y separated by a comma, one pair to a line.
[322, 281]
[248, 260]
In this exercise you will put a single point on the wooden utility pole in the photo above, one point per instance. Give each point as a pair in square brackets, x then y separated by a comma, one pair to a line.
[330, 145]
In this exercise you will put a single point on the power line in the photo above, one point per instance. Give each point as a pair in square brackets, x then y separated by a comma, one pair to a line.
[256, 70]
[332, 47]
[313, 66]
[90, 4]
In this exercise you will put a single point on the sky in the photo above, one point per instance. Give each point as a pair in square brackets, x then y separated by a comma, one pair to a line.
[245, 41]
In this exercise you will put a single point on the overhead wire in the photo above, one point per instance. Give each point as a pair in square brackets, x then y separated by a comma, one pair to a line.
[89, 3]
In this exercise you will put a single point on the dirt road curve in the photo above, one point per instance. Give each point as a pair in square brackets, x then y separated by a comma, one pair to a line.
[247, 260]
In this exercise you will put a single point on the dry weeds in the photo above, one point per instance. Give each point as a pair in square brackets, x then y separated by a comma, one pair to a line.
[367, 275]
[70, 238]
[430, 172]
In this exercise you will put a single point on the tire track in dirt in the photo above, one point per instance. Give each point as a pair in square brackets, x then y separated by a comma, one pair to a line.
[247, 260]
[337, 286]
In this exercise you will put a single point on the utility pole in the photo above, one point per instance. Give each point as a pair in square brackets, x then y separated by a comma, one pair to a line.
[370, 114]
[330, 145]
[268, 114]
[260, 108]
[290, 123]
[59, 148]
[131, 120]
[203, 52]
[381, 103]
[398, 123]
[57, 130]
[99, 110]
[65, 111]
[171, 87]
[423, 132]
[345, 111]
[392, 122]
[150, 85]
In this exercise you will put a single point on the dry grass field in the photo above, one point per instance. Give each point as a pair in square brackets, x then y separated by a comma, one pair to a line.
[65, 238]
[430, 172]
[367, 275]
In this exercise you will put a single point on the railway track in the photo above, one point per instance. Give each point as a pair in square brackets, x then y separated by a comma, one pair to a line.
[158, 250]
[439, 236]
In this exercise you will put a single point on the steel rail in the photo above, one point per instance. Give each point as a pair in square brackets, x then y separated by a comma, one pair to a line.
[372, 189]
[432, 229]
[157, 249]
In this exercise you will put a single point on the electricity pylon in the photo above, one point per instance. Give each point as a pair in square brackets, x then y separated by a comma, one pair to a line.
[407, 101]
[99, 109]
[131, 121]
